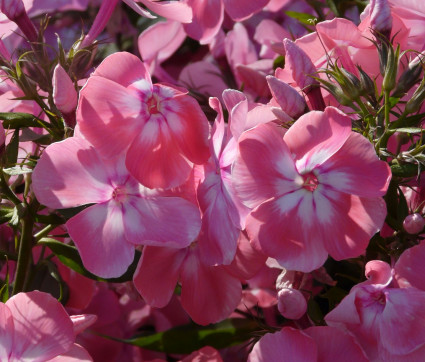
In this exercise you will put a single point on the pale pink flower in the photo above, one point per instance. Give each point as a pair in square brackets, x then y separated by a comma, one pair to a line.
[71, 173]
[34, 326]
[315, 191]
[162, 129]
[313, 344]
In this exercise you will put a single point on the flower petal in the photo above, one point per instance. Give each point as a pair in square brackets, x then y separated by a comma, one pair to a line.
[98, 233]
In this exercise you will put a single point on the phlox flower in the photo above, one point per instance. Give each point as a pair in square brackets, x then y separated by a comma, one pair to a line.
[35, 327]
[162, 129]
[314, 192]
[123, 212]
[385, 313]
[325, 344]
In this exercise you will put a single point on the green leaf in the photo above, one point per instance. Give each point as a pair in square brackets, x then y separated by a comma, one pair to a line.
[303, 18]
[12, 148]
[314, 312]
[191, 337]
[19, 120]
[279, 62]
[4, 291]
[70, 257]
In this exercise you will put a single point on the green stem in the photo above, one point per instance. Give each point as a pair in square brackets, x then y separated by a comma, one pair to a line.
[24, 256]
[42, 233]
[387, 109]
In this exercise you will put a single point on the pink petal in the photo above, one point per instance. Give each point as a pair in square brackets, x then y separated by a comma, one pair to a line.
[108, 119]
[64, 93]
[288, 345]
[75, 354]
[378, 272]
[247, 262]
[163, 221]
[122, 68]
[287, 97]
[70, 173]
[354, 221]
[239, 11]
[153, 281]
[264, 167]
[356, 169]
[98, 233]
[405, 305]
[160, 40]
[333, 344]
[209, 294]
[155, 159]
[43, 329]
[316, 136]
[273, 227]
[6, 332]
[174, 10]
[411, 266]
[219, 128]
[205, 354]
[207, 19]
[237, 105]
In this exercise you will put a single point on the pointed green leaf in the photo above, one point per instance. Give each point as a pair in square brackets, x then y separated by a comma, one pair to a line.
[303, 18]
[12, 148]
[191, 337]
[19, 120]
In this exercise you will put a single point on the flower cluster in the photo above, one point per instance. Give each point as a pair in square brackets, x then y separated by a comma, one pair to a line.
[226, 181]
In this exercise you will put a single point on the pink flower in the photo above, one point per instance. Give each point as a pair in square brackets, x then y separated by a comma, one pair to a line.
[71, 173]
[325, 344]
[315, 191]
[387, 321]
[162, 129]
[34, 326]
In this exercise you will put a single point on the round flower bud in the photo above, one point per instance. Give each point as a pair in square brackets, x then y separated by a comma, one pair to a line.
[414, 223]
[291, 303]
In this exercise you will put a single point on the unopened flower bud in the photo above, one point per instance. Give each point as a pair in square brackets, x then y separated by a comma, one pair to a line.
[414, 104]
[409, 77]
[391, 69]
[414, 223]
[15, 11]
[366, 83]
[291, 303]
[381, 19]
[349, 83]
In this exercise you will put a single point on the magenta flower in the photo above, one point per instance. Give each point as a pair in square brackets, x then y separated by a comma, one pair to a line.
[162, 129]
[316, 191]
[71, 173]
[35, 327]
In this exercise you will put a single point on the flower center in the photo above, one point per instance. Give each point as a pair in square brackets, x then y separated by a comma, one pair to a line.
[119, 194]
[153, 105]
[310, 181]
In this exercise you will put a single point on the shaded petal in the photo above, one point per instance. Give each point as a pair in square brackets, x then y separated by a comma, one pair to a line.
[154, 281]
[207, 19]
[286, 230]
[75, 354]
[352, 222]
[411, 266]
[209, 294]
[288, 345]
[70, 173]
[316, 136]
[64, 93]
[239, 11]
[43, 329]
[356, 169]
[164, 221]
[6, 332]
[264, 168]
[98, 233]
[333, 344]
[378, 272]
[403, 319]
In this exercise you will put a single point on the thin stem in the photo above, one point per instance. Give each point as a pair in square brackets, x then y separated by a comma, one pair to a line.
[5, 190]
[42, 233]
